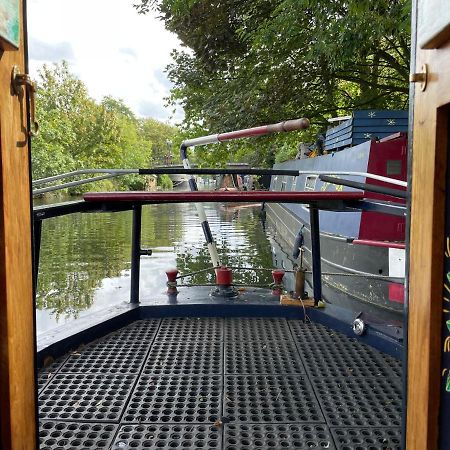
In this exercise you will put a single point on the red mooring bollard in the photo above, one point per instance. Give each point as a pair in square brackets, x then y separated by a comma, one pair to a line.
[172, 281]
[277, 287]
[224, 276]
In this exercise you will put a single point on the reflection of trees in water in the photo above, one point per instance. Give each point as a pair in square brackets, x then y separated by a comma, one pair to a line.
[254, 252]
[79, 251]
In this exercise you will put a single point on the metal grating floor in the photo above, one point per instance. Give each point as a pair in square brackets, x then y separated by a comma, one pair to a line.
[214, 383]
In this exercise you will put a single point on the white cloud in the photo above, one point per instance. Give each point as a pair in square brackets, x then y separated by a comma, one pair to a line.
[110, 47]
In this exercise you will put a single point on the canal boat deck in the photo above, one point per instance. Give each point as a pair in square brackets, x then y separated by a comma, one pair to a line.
[222, 383]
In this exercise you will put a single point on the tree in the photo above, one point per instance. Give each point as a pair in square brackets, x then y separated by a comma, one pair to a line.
[260, 61]
[79, 133]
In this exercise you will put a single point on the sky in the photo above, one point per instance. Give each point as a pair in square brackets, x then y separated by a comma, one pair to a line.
[109, 46]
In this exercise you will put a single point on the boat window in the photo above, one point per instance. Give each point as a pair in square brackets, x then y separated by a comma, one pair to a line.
[310, 183]
[394, 167]
[294, 184]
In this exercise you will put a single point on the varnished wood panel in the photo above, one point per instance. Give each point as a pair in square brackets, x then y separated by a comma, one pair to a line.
[426, 248]
[17, 390]
[434, 23]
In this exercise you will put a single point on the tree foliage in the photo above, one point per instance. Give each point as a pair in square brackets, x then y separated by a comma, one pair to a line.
[78, 133]
[250, 62]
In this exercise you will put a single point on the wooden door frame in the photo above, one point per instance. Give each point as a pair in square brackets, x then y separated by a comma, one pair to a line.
[426, 250]
[18, 403]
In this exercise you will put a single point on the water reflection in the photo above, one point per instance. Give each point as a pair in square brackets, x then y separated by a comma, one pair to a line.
[85, 259]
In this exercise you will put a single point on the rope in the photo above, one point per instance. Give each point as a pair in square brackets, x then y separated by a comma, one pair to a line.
[265, 269]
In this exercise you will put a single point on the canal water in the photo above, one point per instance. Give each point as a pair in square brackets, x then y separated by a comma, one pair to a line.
[85, 258]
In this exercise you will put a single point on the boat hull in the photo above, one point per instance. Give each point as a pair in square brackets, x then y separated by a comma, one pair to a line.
[340, 229]
[353, 289]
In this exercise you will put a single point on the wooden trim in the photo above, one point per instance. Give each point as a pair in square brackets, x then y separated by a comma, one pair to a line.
[17, 331]
[426, 262]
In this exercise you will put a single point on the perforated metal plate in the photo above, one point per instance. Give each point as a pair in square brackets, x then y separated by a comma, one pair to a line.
[85, 397]
[179, 399]
[162, 385]
[71, 435]
[328, 360]
[261, 357]
[259, 329]
[310, 333]
[367, 438]
[327, 353]
[49, 371]
[141, 331]
[372, 402]
[191, 328]
[184, 358]
[271, 436]
[270, 399]
[168, 437]
[108, 357]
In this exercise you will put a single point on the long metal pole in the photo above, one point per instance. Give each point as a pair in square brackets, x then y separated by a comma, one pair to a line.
[289, 125]
[37, 233]
[315, 249]
[135, 253]
[212, 249]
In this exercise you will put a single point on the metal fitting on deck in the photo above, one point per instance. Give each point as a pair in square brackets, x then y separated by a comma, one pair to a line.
[277, 286]
[224, 280]
[172, 281]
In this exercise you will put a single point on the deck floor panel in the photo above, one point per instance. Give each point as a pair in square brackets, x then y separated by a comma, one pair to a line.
[72, 435]
[48, 372]
[86, 397]
[184, 358]
[367, 438]
[338, 361]
[258, 329]
[270, 399]
[157, 437]
[191, 329]
[222, 383]
[262, 357]
[360, 402]
[176, 399]
[276, 436]
[107, 357]
[328, 353]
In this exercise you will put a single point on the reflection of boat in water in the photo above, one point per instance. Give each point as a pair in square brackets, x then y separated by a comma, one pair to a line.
[364, 249]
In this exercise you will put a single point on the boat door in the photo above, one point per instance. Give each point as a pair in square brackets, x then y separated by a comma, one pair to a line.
[17, 333]
[428, 397]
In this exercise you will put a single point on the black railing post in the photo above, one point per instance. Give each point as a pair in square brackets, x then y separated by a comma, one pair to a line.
[37, 232]
[135, 253]
[315, 249]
